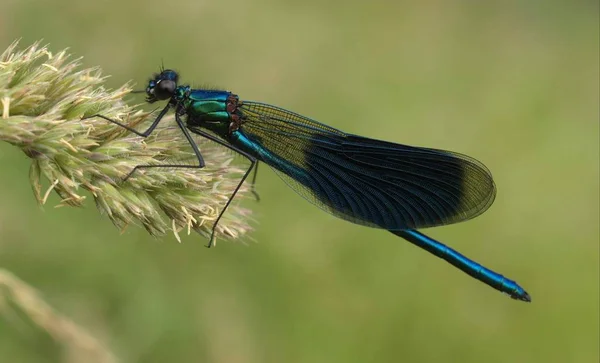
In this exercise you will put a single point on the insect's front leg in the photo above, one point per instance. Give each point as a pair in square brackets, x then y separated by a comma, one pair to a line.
[142, 134]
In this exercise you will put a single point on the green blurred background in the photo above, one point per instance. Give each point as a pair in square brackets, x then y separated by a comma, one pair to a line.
[514, 84]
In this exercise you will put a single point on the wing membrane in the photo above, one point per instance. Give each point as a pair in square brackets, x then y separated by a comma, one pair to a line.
[366, 181]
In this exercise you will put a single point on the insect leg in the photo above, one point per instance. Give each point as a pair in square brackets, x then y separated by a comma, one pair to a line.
[143, 134]
[187, 135]
[252, 185]
[253, 163]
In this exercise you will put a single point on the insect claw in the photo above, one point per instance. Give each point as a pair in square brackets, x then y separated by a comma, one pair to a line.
[211, 242]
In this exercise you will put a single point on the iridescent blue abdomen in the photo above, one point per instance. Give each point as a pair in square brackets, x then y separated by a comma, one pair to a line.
[256, 149]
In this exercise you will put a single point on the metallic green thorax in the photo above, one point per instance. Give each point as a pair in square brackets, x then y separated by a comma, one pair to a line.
[207, 109]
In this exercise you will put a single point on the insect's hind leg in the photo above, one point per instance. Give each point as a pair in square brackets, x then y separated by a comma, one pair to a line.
[253, 184]
[253, 163]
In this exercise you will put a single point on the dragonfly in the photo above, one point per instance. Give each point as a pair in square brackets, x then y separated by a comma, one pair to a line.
[374, 183]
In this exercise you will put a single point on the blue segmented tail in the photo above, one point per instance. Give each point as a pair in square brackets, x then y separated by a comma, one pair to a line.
[465, 264]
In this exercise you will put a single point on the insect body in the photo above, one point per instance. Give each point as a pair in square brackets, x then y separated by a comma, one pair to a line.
[370, 182]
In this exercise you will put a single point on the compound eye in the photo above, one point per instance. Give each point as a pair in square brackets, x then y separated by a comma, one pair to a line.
[164, 89]
[150, 88]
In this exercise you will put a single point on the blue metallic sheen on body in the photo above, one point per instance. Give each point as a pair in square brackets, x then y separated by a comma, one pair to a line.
[205, 95]
[465, 264]
[206, 108]
[200, 102]
[239, 139]
[399, 188]
[472, 268]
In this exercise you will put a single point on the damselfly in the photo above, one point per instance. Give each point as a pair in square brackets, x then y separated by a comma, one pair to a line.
[369, 182]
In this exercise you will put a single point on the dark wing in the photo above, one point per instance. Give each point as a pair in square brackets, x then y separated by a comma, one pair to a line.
[365, 181]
